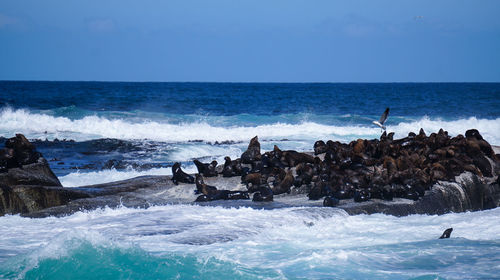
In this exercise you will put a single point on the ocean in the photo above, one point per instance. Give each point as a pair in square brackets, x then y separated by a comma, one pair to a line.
[97, 132]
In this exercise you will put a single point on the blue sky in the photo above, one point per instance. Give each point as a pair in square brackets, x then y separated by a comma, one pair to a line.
[250, 41]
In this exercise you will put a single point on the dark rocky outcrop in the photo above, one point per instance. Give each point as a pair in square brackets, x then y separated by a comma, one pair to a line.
[418, 174]
[467, 194]
[31, 198]
[27, 183]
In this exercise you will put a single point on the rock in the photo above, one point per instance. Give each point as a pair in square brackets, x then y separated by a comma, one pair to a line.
[38, 173]
[27, 183]
[467, 194]
[30, 198]
[7, 159]
[413, 175]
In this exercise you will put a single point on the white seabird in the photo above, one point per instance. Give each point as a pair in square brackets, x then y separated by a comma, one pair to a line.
[381, 122]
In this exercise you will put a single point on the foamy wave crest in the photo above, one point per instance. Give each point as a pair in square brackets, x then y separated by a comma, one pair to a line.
[91, 127]
[36, 125]
[489, 129]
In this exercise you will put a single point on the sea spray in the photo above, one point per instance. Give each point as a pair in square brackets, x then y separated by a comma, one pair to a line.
[41, 126]
[281, 243]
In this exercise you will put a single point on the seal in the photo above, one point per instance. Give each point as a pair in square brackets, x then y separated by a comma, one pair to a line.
[231, 167]
[331, 201]
[252, 153]
[446, 233]
[291, 158]
[203, 188]
[285, 184]
[361, 195]
[210, 193]
[305, 174]
[252, 181]
[206, 169]
[179, 176]
[320, 147]
[264, 194]
[318, 190]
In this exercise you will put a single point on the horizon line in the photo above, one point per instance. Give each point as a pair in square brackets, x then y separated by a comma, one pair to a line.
[253, 82]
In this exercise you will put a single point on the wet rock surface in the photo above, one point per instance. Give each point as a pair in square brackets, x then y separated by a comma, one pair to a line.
[27, 183]
[418, 174]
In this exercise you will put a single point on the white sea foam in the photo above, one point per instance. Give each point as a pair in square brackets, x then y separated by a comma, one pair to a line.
[291, 240]
[36, 125]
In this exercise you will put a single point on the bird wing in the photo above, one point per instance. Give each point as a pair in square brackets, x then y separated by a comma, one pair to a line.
[378, 124]
[384, 116]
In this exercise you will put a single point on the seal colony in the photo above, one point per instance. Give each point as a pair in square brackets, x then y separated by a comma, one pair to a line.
[362, 170]
[417, 174]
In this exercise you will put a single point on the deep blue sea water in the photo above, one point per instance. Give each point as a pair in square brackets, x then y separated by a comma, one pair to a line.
[95, 132]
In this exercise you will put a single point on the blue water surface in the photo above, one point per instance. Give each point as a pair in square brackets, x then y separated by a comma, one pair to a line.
[447, 100]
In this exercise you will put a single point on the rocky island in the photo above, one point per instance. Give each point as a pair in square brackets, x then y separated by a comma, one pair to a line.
[418, 174]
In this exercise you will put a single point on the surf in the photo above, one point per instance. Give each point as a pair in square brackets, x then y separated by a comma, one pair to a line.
[250, 243]
[36, 125]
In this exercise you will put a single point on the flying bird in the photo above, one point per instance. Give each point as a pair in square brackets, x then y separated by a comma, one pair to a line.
[382, 120]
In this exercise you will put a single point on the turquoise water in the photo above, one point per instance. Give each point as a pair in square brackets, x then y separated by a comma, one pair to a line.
[195, 242]
[115, 131]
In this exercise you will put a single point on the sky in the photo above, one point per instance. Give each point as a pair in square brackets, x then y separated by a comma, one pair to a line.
[250, 41]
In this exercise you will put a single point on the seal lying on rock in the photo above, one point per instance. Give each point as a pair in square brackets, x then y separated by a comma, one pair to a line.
[179, 176]
[292, 158]
[232, 167]
[263, 194]
[252, 181]
[210, 193]
[399, 168]
[331, 201]
[320, 147]
[285, 184]
[206, 169]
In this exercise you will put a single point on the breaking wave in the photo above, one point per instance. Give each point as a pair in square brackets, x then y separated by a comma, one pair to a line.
[190, 241]
[42, 125]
